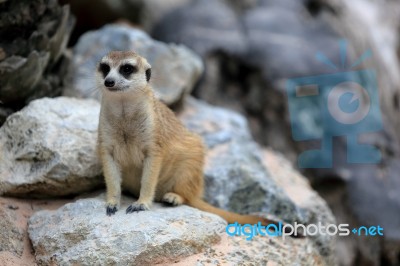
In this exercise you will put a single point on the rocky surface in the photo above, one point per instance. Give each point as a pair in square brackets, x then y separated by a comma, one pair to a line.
[215, 27]
[48, 149]
[85, 235]
[145, 13]
[33, 38]
[233, 250]
[175, 69]
[15, 246]
[166, 235]
[235, 171]
[236, 176]
[11, 235]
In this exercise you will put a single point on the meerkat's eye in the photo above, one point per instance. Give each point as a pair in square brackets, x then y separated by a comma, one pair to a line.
[127, 69]
[104, 69]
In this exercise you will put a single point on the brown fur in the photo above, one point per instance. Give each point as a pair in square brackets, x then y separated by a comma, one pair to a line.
[145, 149]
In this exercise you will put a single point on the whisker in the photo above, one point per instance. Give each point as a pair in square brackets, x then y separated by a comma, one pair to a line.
[94, 91]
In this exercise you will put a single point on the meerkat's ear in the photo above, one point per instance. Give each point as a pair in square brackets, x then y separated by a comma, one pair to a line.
[147, 68]
[148, 73]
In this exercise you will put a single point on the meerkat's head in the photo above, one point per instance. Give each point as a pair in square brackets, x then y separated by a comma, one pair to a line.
[123, 71]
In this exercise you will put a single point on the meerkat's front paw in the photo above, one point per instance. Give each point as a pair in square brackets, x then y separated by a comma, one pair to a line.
[137, 207]
[111, 209]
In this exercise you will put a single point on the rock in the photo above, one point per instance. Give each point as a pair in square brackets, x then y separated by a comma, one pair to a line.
[48, 149]
[85, 235]
[145, 13]
[299, 190]
[11, 235]
[175, 69]
[152, 11]
[34, 38]
[258, 251]
[234, 250]
[235, 176]
[15, 246]
[237, 179]
[267, 38]
[205, 26]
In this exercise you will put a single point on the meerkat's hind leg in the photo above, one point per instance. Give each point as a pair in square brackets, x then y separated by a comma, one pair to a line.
[172, 199]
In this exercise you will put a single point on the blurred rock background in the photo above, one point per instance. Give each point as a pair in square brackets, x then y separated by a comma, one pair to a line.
[33, 40]
[243, 52]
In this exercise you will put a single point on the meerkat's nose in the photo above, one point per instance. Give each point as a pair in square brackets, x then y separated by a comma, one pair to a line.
[109, 83]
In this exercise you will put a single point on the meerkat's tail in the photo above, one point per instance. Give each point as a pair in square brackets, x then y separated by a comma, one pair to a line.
[230, 217]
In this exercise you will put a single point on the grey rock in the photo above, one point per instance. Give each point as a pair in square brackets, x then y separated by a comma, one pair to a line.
[154, 10]
[291, 40]
[49, 148]
[15, 246]
[144, 12]
[205, 26]
[25, 73]
[11, 235]
[175, 69]
[85, 235]
[236, 176]
[276, 251]
[34, 38]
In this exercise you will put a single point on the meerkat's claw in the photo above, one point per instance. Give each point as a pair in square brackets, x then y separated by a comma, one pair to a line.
[136, 207]
[111, 209]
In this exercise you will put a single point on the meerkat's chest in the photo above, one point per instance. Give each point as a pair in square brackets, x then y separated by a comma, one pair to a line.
[128, 126]
[129, 148]
[128, 134]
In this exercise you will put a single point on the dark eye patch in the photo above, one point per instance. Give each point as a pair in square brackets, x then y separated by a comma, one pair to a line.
[127, 69]
[104, 69]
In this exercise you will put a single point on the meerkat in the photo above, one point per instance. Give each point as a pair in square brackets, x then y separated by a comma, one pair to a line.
[143, 147]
